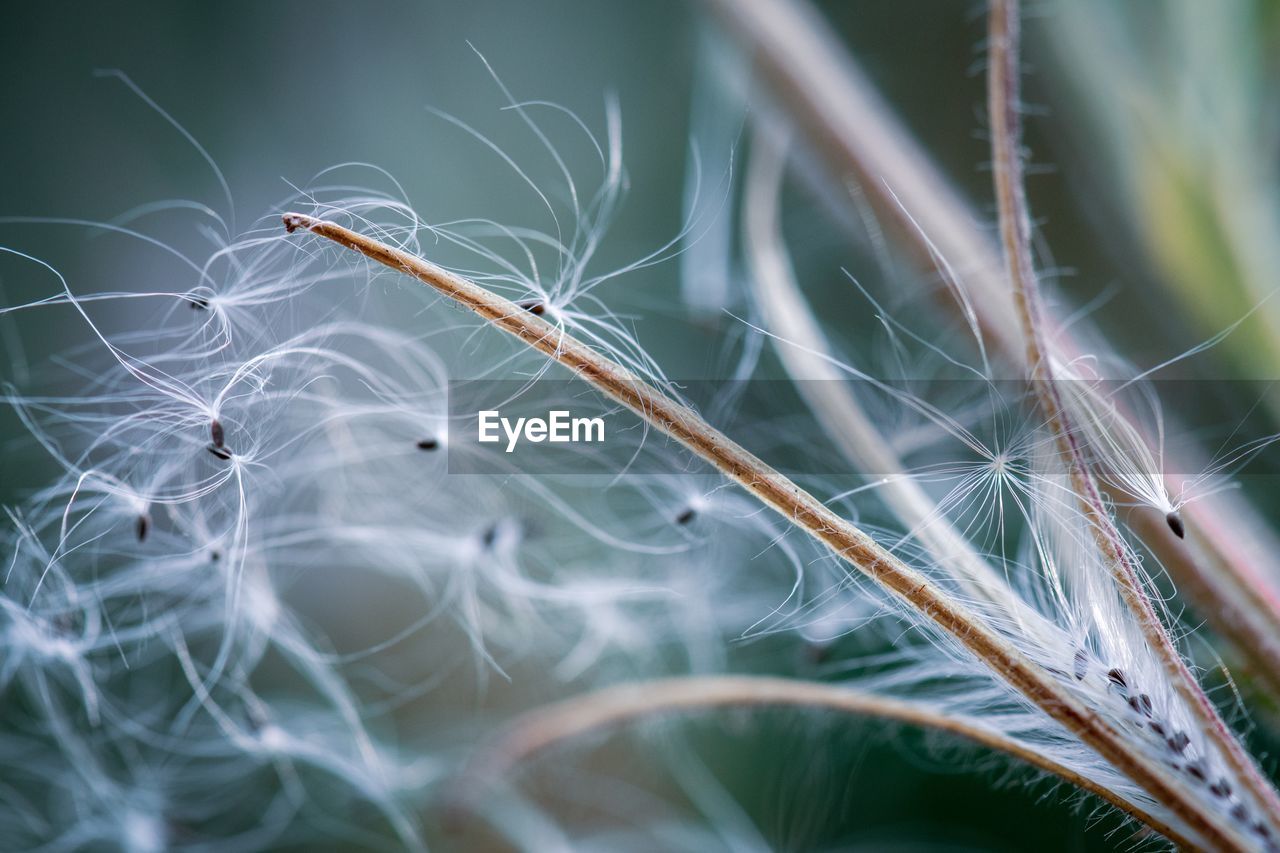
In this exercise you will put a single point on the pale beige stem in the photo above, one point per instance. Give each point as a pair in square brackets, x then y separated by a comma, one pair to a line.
[805, 355]
[1003, 85]
[1233, 583]
[614, 706]
[807, 513]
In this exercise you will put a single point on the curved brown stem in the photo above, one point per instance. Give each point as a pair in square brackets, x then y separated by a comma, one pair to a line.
[614, 706]
[1003, 86]
[806, 512]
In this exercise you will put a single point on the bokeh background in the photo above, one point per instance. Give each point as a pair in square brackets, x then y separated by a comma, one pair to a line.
[278, 91]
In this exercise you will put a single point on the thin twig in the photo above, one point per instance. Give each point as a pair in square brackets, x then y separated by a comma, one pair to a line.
[859, 140]
[614, 706]
[1003, 84]
[806, 512]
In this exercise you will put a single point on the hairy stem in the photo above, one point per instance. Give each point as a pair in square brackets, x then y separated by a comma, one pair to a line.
[618, 705]
[806, 512]
[1230, 571]
[1003, 84]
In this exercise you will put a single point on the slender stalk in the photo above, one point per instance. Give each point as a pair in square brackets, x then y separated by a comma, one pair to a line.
[824, 387]
[806, 512]
[614, 706]
[1231, 570]
[1003, 84]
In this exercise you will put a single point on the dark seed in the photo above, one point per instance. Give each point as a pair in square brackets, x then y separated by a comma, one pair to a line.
[1221, 788]
[1175, 524]
[198, 303]
[215, 556]
[1196, 770]
[1157, 727]
[216, 433]
[489, 536]
[220, 452]
[533, 306]
[686, 516]
[1117, 678]
[1178, 742]
[816, 653]
[143, 526]
[428, 444]
[1081, 665]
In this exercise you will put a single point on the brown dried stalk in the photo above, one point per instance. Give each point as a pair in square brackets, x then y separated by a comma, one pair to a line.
[806, 512]
[1003, 85]
[554, 724]
[858, 139]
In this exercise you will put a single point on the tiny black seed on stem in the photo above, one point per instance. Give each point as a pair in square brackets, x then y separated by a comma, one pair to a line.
[216, 433]
[1175, 524]
[1081, 665]
[428, 444]
[686, 516]
[533, 306]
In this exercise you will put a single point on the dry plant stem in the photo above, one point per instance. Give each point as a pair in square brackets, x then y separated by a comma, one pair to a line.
[825, 388]
[1015, 231]
[806, 512]
[850, 127]
[857, 137]
[614, 706]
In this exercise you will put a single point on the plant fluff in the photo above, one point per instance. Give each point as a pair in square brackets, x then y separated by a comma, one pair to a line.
[262, 598]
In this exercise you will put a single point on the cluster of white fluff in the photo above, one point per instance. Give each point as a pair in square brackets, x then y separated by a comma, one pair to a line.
[254, 606]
